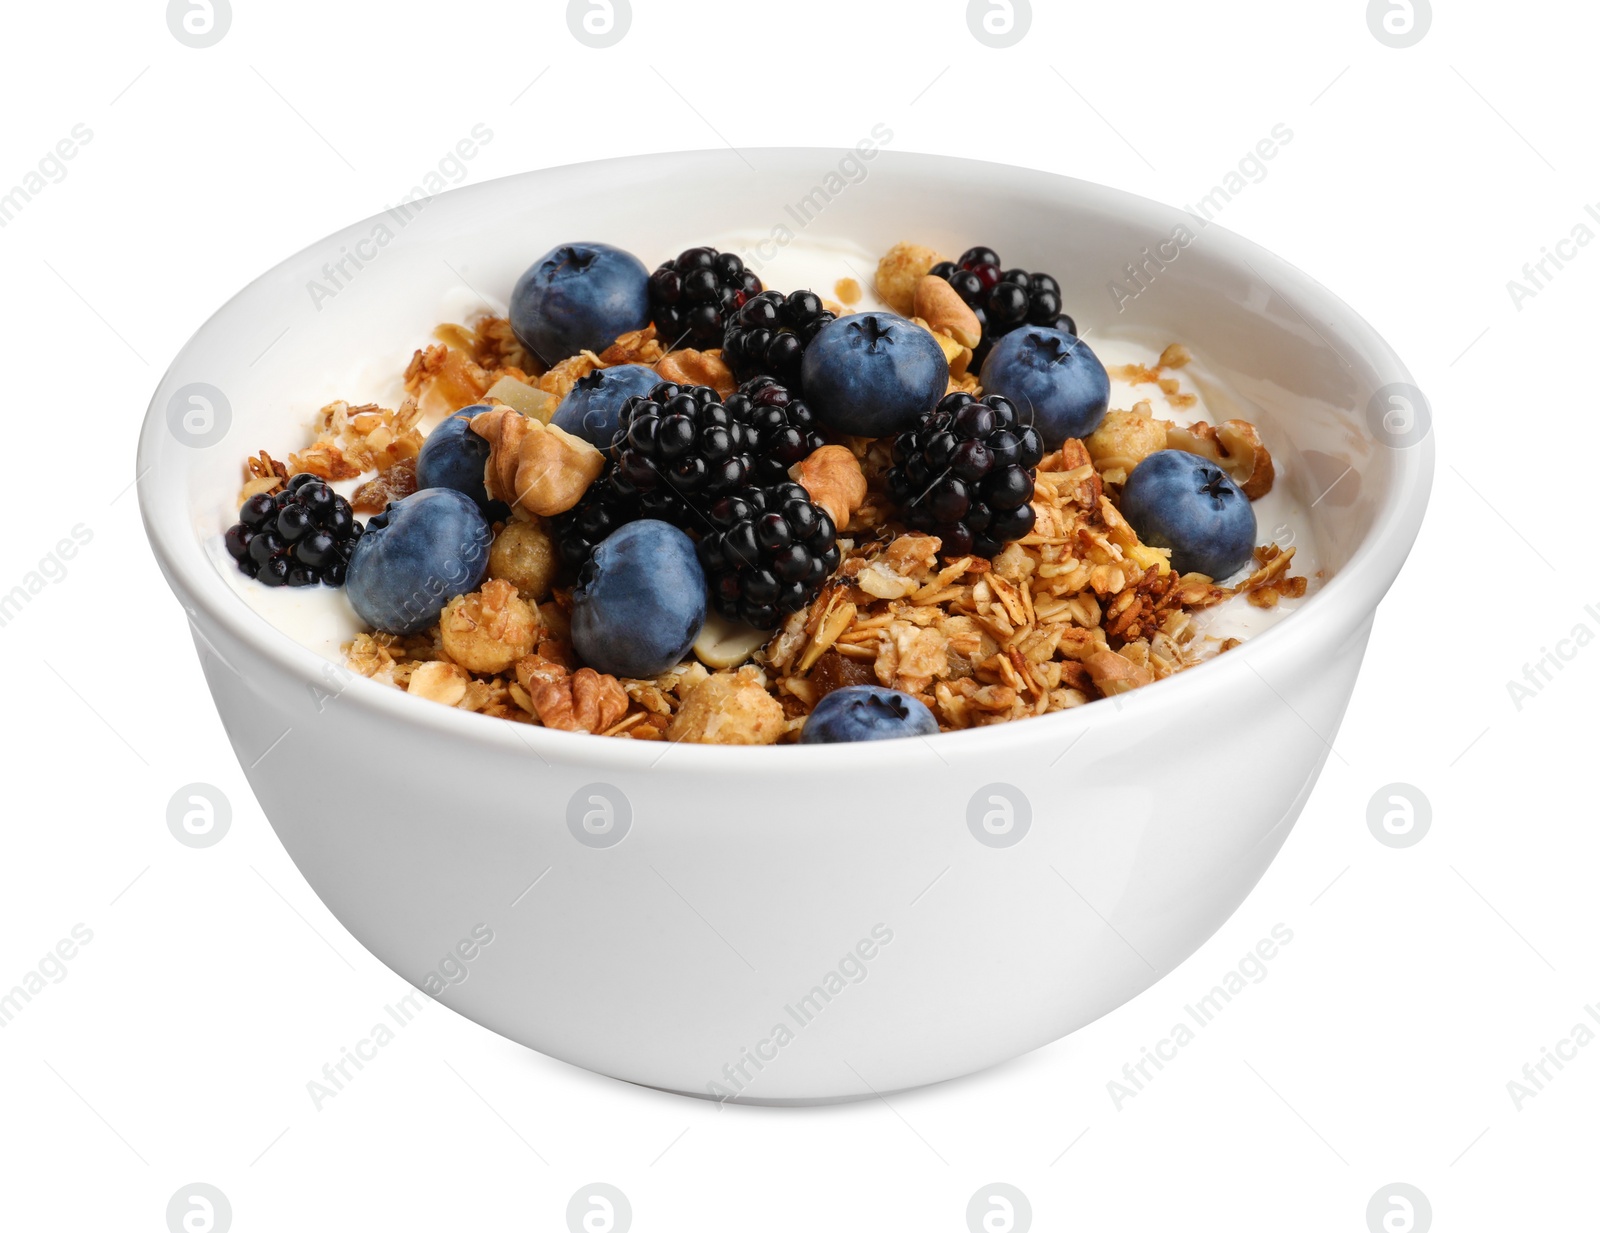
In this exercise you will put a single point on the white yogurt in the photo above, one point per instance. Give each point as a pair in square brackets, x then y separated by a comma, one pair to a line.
[321, 618]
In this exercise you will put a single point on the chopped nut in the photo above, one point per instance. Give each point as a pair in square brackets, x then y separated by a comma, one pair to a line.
[1124, 440]
[899, 272]
[728, 709]
[1235, 446]
[727, 644]
[488, 630]
[833, 477]
[443, 380]
[536, 466]
[583, 701]
[937, 303]
[438, 680]
[525, 555]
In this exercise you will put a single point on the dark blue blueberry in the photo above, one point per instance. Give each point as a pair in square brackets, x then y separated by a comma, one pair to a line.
[453, 457]
[417, 555]
[872, 374]
[866, 713]
[1186, 503]
[579, 297]
[591, 407]
[1056, 382]
[640, 601]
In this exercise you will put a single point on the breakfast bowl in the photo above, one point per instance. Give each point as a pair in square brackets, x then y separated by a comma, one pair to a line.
[794, 923]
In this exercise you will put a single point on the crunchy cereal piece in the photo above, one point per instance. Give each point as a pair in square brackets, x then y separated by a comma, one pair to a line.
[1235, 446]
[439, 680]
[520, 396]
[391, 484]
[1176, 355]
[729, 708]
[899, 272]
[353, 440]
[560, 379]
[689, 367]
[833, 477]
[727, 644]
[847, 291]
[535, 466]
[936, 302]
[488, 630]
[1114, 674]
[582, 701]
[443, 380]
[909, 658]
[637, 347]
[1124, 440]
[956, 355]
[525, 555]
[263, 473]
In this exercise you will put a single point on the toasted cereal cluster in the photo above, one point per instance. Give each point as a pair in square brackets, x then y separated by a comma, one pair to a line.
[1074, 610]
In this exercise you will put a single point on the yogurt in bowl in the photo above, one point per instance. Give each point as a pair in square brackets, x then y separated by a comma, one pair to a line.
[695, 893]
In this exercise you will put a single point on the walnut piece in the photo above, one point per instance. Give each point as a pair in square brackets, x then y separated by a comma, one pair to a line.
[535, 466]
[488, 630]
[730, 708]
[833, 477]
[525, 555]
[1235, 446]
[937, 303]
[899, 272]
[583, 701]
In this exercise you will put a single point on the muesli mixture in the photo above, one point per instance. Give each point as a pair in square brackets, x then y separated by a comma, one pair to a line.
[676, 505]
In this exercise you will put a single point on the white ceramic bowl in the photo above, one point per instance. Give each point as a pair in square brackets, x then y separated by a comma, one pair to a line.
[814, 923]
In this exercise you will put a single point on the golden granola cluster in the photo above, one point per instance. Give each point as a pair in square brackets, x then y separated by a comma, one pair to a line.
[1077, 610]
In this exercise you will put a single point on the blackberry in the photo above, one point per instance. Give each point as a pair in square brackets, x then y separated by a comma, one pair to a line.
[693, 295]
[599, 512]
[678, 448]
[767, 554]
[770, 333]
[297, 537]
[1003, 299]
[965, 473]
[784, 426]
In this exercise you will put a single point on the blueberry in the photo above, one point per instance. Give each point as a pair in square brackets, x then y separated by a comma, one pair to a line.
[866, 713]
[591, 407]
[640, 601]
[872, 374]
[1056, 382]
[1186, 503]
[579, 297]
[417, 555]
[453, 457]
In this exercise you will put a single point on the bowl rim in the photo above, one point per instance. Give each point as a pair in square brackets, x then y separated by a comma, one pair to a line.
[1344, 602]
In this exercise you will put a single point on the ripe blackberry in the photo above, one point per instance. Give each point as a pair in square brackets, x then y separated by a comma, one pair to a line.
[770, 333]
[1003, 299]
[785, 428]
[693, 296]
[599, 512]
[298, 536]
[768, 553]
[965, 473]
[677, 449]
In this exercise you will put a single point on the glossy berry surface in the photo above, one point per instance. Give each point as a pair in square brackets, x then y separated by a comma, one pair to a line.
[417, 555]
[768, 553]
[677, 448]
[965, 473]
[1053, 379]
[769, 334]
[593, 406]
[453, 456]
[579, 297]
[601, 510]
[695, 295]
[1003, 300]
[640, 601]
[866, 713]
[301, 535]
[1181, 501]
[872, 374]
[785, 428]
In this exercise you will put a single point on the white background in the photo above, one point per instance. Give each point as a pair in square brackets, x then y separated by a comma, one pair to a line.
[178, 1046]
